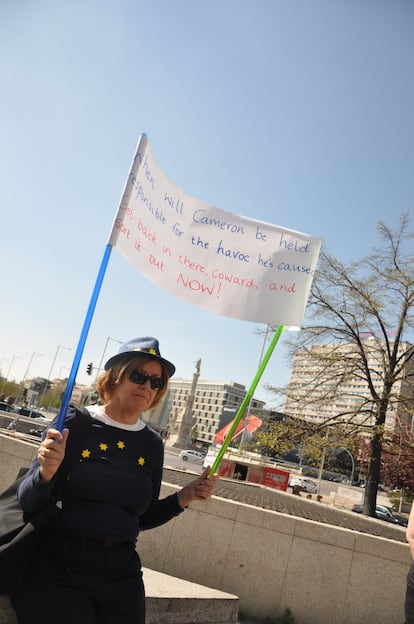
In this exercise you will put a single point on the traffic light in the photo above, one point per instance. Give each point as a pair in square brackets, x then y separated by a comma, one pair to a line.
[89, 368]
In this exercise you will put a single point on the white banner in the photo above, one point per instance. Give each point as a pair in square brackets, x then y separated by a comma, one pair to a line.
[222, 262]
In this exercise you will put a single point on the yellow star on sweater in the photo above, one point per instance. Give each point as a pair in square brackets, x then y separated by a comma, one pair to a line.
[141, 461]
[120, 444]
[86, 454]
[103, 446]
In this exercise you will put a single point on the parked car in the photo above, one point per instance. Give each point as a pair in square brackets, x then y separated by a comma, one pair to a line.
[382, 512]
[194, 456]
[36, 432]
[340, 479]
[5, 407]
[306, 485]
[401, 520]
[28, 412]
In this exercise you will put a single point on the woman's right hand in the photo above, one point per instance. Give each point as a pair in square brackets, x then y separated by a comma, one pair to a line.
[51, 453]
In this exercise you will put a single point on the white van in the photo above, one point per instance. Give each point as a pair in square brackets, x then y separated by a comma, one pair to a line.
[194, 456]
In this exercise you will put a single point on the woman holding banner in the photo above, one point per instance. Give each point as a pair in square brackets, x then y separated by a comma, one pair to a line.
[88, 570]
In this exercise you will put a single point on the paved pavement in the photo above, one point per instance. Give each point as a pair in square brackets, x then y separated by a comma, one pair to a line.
[287, 503]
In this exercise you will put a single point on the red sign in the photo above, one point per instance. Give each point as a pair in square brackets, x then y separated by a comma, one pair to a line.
[276, 479]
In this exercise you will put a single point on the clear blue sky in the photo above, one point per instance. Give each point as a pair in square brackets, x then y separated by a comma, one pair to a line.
[296, 113]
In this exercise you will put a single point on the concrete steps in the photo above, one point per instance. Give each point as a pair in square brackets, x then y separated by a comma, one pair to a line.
[174, 601]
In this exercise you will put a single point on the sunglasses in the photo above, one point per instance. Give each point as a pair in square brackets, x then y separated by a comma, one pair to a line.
[140, 378]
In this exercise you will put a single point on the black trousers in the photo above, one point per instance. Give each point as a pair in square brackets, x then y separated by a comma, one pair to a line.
[83, 582]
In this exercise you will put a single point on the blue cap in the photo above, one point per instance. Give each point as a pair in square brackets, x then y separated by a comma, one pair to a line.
[147, 346]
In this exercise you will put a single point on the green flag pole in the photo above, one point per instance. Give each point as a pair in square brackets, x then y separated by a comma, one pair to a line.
[247, 399]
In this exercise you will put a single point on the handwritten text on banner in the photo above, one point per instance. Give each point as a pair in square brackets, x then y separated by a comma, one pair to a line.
[223, 262]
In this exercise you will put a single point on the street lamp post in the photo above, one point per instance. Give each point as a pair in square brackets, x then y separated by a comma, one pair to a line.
[342, 448]
[5, 379]
[61, 369]
[27, 372]
[50, 372]
[15, 357]
[103, 354]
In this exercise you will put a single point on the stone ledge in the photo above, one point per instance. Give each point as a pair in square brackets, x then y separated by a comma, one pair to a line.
[172, 600]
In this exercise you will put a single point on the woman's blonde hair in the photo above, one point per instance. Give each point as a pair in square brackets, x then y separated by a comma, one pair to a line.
[107, 381]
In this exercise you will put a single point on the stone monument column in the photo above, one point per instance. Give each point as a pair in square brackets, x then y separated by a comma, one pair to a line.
[185, 420]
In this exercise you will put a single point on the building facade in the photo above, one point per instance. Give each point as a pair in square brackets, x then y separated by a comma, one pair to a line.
[326, 383]
[211, 402]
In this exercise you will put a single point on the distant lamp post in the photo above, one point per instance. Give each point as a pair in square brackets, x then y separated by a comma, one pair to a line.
[30, 363]
[342, 448]
[103, 354]
[15, 357]
[27, 372]
[60, 371]
[50, 372]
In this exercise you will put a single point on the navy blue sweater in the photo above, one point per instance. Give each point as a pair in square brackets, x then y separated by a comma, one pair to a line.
[113, 488]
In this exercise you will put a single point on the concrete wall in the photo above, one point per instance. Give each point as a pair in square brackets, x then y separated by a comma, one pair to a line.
[324, 574]
[14, 454]
[272, 561]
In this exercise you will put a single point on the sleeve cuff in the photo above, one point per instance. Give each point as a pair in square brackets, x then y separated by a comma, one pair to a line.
[177, 504]
[42, 485]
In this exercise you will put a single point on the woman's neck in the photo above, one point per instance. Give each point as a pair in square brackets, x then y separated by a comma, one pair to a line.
[124, 416]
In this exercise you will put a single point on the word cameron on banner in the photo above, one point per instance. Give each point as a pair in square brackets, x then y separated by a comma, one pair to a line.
[223, 262]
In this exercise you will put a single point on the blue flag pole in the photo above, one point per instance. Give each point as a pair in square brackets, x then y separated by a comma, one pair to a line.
[136, 162]
[82, 339]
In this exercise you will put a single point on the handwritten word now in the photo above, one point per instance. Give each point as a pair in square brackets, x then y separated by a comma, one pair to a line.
[199, 216]
[193, 284]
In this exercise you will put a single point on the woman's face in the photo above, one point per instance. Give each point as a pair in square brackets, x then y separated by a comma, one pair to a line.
[138, 396]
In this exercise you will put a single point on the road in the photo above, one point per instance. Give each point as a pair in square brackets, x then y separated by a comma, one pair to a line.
[172, 460]
[330, 491]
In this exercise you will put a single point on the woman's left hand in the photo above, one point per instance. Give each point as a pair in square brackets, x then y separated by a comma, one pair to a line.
[199, 489]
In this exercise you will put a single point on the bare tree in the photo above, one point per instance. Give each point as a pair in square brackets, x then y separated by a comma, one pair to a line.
[369, 298]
